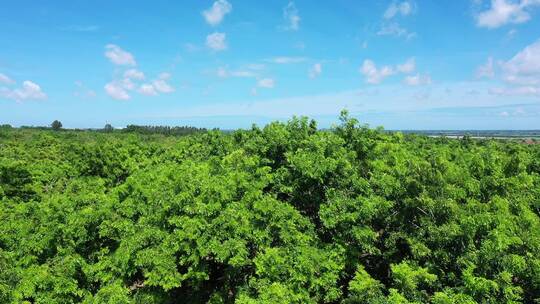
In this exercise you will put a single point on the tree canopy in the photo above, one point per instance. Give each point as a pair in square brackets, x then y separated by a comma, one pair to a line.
[285, 213]
[56, 125]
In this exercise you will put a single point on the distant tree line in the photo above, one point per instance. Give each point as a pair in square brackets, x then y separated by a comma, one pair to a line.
[165, 130]
[108, 128]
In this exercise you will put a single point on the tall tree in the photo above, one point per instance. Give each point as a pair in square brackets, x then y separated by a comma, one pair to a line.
[108, 128]
[56, 125]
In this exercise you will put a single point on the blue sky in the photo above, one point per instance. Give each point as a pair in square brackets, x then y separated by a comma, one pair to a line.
[470, 64]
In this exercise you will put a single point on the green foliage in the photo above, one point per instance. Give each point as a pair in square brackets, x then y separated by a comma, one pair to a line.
[412, 280]
[56, 125]
[280, 214]
[108, 128]
[365, 289]
[165, 130]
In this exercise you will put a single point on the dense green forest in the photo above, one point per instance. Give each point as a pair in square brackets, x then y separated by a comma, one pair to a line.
[165, 130]
[286, 213]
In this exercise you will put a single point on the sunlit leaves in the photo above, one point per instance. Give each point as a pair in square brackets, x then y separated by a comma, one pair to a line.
[285, 213]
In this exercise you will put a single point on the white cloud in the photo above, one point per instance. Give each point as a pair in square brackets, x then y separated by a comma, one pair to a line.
[394, 29]
[503, 12]
[521, 73]
[134, 74]
[216, 41]
[256, 66]
[190, 47]
[165, 76]
[83, 91]
[514, 91]
[4, 92]
[127, 84]
[300, 45]
[147, 89]
[287, 60]
[244, 74]
[116, 91]
[511, 33]
[390, 28]
[29, 91]
[486, 70]
[223, 72]
[157, 86]
[315, 71]
[416, 80]
[290, 14]
[217, 12]
[404, 8]
[408, 67]
[162, 86]
[6, 80]
[524, 67]
[267, 83]
[119, 89]
[374, 75]
[130, 79]
[118, 56]
[365, 45]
